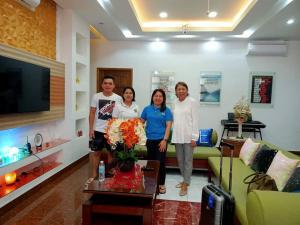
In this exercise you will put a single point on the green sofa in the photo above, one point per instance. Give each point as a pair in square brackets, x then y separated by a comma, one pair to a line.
[200, 156]
[258, 207]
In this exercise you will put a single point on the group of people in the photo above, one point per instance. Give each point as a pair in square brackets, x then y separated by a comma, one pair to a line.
[159, 120]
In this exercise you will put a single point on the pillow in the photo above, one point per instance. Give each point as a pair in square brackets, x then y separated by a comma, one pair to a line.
[205, 137]
[248, 151]
[293, 184]
[281, 169]
[263, 159]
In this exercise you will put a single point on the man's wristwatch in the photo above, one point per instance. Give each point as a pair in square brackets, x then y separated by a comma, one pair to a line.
[165, 139]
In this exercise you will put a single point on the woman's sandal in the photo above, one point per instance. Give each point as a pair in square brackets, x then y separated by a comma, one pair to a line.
[162, 189]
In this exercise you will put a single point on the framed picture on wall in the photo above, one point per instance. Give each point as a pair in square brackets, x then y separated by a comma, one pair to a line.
[210, 87]
[262, 84]
[166, 81]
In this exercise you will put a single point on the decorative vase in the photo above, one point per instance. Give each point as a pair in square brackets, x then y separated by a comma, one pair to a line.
[126, 165]
[240, 128]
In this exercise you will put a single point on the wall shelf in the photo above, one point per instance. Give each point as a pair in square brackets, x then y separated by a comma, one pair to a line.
[53, 147]
[34, 166]
[81, 127]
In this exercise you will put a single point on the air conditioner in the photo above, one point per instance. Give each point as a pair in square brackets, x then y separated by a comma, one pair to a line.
[31, 4]
[267, 48]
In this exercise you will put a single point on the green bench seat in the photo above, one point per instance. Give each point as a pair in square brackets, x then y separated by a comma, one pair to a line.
[200, 155]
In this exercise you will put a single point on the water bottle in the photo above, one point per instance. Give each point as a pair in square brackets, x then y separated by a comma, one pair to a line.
[101, 171]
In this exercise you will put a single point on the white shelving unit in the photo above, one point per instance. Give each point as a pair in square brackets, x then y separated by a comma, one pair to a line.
[57, 149]
[81, 91]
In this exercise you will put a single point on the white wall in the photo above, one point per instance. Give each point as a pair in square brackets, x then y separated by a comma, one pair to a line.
[187, 59]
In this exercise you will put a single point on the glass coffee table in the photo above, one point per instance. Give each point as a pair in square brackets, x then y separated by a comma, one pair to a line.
[126, 193]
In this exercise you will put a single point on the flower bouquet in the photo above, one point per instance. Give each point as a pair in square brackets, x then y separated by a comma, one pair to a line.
[122, 135]
[241, 113]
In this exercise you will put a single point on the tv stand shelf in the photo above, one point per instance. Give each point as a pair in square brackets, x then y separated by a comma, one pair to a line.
[41, 164]
[53, 147]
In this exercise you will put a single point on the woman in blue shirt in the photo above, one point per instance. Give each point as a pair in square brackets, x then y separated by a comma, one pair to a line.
[158, 120]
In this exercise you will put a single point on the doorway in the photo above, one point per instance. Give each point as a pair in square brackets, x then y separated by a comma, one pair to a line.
[122, 76]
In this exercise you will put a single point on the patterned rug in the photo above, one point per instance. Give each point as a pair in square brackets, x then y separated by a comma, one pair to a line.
[169, 212]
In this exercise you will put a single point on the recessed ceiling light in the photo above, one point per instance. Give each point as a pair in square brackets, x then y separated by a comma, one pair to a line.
[212, 39]
[163, 15]
[185, 36]
[290, 21]
[157, 39]
[212, 14]
[128, 34]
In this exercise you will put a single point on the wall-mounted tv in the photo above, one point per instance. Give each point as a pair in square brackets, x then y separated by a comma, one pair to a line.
[24, 87]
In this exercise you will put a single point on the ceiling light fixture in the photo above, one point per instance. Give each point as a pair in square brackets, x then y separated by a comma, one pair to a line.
[290, 21]
[210, 14]
[185, 28]
[185, 36]
[163, 15]
[128, 34]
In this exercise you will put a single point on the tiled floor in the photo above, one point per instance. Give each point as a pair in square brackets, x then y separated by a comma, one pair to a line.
[59, 201]
[198, 181]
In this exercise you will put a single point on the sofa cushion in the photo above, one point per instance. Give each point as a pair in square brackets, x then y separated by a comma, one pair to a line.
[293, 184]
[263, 159]
[205, 137]
[248, 151]
[281, 169]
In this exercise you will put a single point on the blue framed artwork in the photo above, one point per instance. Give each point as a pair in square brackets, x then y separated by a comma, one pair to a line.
[210, 87]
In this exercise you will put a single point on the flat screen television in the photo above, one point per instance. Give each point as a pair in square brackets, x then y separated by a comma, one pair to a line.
[24, 87]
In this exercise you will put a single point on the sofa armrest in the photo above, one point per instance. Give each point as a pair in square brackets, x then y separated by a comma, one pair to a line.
[273, 208]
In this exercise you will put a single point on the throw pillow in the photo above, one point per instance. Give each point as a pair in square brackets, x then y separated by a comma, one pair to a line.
[248, 151]
[281, 169]
[263, 159]
[205, 137]
[293, 184]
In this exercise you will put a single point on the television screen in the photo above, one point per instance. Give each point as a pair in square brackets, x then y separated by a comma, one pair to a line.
[24, 87]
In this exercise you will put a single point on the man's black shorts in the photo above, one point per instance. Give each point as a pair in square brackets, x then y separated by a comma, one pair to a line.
[100, 142]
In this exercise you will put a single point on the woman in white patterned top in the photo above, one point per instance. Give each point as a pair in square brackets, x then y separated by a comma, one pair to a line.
[127, 108]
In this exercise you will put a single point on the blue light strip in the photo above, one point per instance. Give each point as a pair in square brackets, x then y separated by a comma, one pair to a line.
[10, 155]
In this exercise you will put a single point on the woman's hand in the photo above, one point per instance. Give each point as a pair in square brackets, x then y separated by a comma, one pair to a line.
[163, 145]
[193, 143]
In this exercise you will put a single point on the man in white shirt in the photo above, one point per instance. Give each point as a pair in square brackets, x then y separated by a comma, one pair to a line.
[100, 112]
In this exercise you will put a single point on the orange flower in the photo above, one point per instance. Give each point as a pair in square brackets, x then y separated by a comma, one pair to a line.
[130, 132]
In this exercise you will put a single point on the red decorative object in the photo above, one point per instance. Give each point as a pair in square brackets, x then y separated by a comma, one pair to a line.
[79, 133]
[132, 180]
[10, 178]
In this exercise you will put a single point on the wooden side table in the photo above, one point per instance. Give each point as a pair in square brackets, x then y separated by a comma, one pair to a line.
[237, 143]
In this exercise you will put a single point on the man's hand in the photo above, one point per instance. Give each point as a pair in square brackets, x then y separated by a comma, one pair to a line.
[91, 134]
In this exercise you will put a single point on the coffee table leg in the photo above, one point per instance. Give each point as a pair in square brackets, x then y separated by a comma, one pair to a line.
[86, 214]
[147, 217]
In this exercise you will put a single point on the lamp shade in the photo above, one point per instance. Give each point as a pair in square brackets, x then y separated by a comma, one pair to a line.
[10, 178]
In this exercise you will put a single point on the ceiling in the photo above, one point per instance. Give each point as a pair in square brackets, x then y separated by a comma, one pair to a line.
[119, 20]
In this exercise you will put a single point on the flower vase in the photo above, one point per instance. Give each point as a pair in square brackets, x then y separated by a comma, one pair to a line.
[240, 129]
[126, 165]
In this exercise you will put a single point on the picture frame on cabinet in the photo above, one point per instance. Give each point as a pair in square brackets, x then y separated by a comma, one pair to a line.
[210, 88]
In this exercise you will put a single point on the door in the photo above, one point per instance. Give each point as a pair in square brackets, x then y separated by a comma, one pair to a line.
[122, 76]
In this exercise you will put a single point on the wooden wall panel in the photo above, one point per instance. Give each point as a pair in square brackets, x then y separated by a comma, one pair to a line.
[33, 31]
[57, 90]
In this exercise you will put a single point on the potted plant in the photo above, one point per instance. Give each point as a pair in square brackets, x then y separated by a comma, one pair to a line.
[122, 135]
